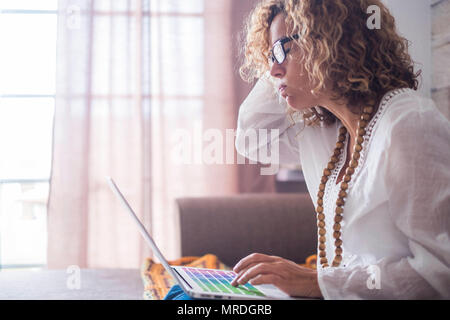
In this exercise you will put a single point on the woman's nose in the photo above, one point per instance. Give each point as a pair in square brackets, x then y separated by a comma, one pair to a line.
[277, 70]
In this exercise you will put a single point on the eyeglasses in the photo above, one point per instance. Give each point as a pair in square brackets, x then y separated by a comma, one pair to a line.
[278, 52]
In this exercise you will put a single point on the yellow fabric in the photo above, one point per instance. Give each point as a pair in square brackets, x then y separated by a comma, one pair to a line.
[157, 282]
[311, 262]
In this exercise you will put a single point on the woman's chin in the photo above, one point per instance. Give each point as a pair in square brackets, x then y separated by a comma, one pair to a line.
[293, 104]
[290, 102]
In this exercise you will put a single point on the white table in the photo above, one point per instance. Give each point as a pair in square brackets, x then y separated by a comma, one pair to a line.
[95, 284]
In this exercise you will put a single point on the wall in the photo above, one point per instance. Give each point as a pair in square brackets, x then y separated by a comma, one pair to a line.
[413, 20]
[440, 50]
[426, 24]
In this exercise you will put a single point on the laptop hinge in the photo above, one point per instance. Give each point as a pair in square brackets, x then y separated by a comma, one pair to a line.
[182, 277]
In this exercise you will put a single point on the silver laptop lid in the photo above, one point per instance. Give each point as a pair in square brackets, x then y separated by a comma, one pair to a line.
[144, 232]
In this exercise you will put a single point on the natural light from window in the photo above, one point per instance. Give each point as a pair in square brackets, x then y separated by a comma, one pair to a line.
[27, 99]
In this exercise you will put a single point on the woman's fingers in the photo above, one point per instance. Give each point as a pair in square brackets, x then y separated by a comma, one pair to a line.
[235, 280]
[248, 262]
[273, 268]
[254, 258]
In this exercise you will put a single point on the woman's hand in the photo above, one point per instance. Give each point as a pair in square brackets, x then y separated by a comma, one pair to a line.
[291, 278]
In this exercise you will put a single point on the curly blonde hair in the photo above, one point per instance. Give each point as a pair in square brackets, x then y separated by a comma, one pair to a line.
[361, 64]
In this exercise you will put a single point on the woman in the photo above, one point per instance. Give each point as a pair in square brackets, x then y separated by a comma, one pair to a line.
[375, 154]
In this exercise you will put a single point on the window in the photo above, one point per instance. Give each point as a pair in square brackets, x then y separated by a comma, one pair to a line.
[27, 98]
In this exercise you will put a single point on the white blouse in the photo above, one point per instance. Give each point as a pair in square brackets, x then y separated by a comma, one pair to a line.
[396, 224]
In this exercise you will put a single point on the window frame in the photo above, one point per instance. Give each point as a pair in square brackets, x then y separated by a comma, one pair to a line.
[3, 95]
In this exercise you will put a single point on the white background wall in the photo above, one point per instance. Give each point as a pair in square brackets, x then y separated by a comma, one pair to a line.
[413, 19]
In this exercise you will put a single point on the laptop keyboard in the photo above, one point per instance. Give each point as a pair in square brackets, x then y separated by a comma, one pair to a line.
[219, 281]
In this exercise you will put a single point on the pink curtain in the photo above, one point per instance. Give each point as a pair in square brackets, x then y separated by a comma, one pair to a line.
[138, 85]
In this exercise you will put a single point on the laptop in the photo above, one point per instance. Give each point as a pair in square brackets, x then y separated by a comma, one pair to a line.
[199, 282]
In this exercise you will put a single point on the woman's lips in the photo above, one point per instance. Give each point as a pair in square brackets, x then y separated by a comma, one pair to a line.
[282, 91]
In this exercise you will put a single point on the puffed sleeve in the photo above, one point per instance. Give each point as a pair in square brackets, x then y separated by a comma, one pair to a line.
[265, 132]
[417, 184]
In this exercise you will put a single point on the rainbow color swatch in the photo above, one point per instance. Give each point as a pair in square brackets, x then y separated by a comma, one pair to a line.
[219, 281]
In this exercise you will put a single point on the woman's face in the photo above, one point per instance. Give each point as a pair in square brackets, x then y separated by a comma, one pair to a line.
[292, 80]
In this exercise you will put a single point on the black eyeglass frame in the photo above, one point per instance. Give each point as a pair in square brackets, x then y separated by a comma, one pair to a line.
[280, 44]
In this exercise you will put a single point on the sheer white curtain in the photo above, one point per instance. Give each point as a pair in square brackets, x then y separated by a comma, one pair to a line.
[136, 81]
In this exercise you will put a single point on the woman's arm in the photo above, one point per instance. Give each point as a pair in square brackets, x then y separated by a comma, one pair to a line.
[265, 132]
